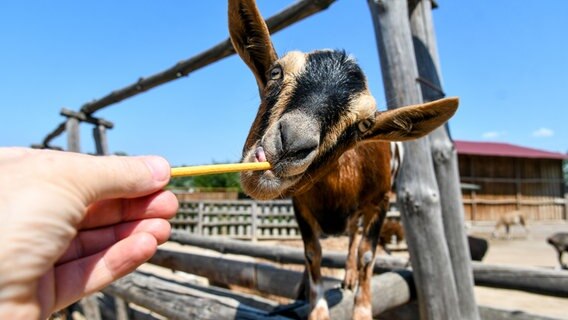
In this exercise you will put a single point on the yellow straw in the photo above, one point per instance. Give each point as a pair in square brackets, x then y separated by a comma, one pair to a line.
[218, 168]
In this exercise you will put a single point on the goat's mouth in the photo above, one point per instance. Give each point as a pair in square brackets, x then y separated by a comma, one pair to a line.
[276, 182]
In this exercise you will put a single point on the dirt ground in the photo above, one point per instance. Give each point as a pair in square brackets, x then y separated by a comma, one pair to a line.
[522, 250]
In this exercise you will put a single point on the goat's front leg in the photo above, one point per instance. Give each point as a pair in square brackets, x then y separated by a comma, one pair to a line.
[351, 274]
[312, 252]
[372, 222]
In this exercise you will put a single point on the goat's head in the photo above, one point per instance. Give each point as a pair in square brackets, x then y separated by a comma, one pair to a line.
[314, 106]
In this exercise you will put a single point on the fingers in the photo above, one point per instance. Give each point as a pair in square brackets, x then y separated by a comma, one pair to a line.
[81, 277]
[89, 242]
[162, 204]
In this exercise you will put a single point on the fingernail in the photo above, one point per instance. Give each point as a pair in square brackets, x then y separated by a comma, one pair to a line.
[159, 167]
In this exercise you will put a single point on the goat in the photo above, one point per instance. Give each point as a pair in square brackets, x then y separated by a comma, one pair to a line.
[319, 128]
[391, 229]
[559, 241]
[508, 220]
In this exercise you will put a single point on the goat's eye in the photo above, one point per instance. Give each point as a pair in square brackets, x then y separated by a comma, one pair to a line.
[365, 125]
[276, 73]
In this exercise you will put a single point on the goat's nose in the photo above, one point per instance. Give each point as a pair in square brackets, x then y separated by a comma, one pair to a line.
[298, 139]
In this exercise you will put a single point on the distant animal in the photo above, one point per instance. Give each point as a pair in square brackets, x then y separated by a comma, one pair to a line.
[319, 128]
[508, 220]
[560, 242]
[477, 247]
[391, 229]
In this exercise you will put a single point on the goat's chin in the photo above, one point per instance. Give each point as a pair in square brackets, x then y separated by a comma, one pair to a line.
[264, 185]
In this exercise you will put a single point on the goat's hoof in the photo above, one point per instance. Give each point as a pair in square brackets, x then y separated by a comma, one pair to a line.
[362, 313]
[350, 280]
[319, 313]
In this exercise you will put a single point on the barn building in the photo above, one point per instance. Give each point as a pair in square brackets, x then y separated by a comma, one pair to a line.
[505, 177]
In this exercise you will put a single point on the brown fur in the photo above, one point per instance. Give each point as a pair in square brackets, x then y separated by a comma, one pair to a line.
[332, 192]
[508, 220]
[391, 228]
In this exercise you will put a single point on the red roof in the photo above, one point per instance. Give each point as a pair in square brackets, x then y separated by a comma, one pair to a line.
[504, 150]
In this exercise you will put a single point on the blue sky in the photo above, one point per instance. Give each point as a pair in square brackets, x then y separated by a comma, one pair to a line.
[506, 60]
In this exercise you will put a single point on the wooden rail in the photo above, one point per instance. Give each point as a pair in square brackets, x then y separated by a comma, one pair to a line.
[177, 301]
[395, 288]
[534, 280]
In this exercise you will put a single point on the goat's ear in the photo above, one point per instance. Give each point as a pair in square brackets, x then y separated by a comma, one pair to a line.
[411, 122]
[251, 39]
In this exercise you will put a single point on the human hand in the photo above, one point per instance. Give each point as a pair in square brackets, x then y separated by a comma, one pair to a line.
[72, 223]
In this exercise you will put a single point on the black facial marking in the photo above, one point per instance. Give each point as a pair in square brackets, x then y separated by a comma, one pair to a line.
[326, 86]
[271, 95]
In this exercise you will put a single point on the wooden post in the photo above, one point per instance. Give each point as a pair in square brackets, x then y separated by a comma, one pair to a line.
[565, 205]
[73, 135]
[72, 127]
[199, 218]
[417, 190]
[90, 307]
[445, 158]
[518, 186]
[101, 142]
[473, 205]
[121, 309]
[254, 222]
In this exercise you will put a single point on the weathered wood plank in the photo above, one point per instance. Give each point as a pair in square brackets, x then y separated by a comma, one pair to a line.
[535, 280]
[280, 254]
[175, 301]
[73, 135]
[417, 190]
[445, 158]
[488, 313]
[409, 311]
[393, 289]
[101, 142]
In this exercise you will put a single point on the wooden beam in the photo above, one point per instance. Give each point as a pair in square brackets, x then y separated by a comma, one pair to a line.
[86, 118]
[261, 277]
[175, 301]
[409, 311]
[101, 141]
[279, 254]
[73, 135]
[417, 190]
[445, 159]
[513, 180]
[536, 280]
[551, 201]
[290, 15]
[393, 288]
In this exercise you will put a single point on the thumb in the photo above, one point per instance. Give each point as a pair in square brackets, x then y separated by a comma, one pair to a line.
[111, 177]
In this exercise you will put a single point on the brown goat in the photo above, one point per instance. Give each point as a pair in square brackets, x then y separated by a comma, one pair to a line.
[508, 220]
[319, 127]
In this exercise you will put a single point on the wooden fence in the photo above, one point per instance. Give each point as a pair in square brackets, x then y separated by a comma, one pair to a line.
[240, 219]
[532, 186]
